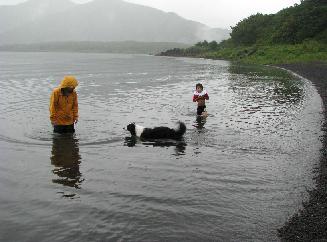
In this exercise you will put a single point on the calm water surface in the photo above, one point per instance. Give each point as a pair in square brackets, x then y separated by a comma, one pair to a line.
[236, 176]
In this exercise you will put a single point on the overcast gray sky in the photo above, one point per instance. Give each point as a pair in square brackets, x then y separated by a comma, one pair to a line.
[214, 13]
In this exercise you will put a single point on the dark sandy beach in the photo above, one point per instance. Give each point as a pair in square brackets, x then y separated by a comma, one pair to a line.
[310, 223]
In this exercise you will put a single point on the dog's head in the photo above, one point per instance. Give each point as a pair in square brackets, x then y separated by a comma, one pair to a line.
[131, 128]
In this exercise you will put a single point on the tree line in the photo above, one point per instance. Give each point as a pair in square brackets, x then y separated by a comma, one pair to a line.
[294, 25]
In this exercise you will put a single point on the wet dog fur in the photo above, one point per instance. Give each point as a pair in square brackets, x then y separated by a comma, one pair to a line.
[157, 132]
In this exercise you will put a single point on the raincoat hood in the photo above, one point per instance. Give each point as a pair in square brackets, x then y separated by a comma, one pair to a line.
[69, 81]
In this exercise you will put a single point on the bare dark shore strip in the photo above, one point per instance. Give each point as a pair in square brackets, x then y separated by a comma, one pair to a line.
[310, 223]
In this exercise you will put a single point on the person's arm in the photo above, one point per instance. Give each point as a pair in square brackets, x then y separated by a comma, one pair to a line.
[206, 96]
[195, 98]
[52, 107]
[75, 108]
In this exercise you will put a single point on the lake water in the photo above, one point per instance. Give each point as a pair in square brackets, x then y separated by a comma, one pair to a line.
[236, 176]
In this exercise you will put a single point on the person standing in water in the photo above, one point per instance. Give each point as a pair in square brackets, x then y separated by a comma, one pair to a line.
[200, 96]
[64, 106]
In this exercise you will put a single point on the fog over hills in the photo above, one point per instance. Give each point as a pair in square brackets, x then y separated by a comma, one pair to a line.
[38, 21]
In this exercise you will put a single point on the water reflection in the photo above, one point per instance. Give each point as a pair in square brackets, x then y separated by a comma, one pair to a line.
[199, 134]
[130, 141]
[180, 145]
[66, 159]
[200, 122]
[252, 83]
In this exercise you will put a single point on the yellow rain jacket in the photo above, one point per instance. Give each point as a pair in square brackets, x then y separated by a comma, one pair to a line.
[64, 109]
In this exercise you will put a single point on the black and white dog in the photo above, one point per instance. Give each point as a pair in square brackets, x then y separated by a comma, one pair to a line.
[157, 132]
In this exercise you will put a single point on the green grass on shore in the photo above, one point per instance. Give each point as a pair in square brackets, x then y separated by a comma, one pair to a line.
[272, 54]
[308, 51]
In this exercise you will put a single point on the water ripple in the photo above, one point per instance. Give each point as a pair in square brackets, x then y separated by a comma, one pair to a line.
[235, 175]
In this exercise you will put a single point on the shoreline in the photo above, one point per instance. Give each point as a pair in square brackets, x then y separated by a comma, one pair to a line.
[310, 223]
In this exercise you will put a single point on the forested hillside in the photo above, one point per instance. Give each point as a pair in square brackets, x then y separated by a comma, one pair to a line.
[293, 25]
[297, 33]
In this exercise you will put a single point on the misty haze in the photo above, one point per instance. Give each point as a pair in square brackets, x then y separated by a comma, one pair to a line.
[100, 20]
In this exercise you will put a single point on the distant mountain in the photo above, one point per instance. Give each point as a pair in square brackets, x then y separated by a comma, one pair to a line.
[38, 21]
[12, 17]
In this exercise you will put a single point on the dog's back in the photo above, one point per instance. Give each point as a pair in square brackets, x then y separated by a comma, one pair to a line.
[164, 132]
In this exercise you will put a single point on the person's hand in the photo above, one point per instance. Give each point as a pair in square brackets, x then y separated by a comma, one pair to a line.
[76, 121]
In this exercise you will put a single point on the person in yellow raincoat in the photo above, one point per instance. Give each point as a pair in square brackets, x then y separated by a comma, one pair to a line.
[64, 106]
